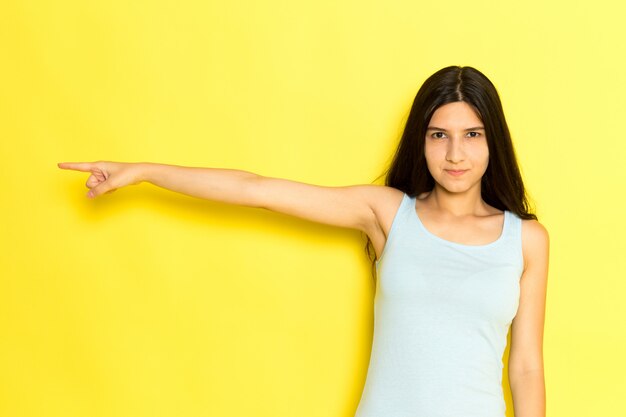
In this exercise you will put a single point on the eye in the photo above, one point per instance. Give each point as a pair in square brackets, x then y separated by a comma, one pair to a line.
[437, 137]
[477, 134]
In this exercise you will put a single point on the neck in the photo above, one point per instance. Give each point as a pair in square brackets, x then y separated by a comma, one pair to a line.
[457, 204]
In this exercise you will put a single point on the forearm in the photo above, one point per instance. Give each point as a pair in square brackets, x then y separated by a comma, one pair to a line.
[529, 394]
[225, 185]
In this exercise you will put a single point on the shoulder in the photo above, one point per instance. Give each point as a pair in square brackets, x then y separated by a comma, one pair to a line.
[384, 202]
[534, 233]
[535, 242]
[381, 197]
[384, 199]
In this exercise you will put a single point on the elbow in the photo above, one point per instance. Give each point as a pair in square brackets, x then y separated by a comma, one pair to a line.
[518, 374]
[254, 190]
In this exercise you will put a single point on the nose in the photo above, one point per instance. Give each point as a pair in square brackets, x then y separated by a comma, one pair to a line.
[455, 152]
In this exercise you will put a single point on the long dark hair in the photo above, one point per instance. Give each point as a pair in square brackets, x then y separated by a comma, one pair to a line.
[501, 185]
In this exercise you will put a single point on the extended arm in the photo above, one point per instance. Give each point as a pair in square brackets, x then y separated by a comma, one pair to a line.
[347, 206]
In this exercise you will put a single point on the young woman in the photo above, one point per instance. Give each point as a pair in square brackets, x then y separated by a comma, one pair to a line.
[458, 254]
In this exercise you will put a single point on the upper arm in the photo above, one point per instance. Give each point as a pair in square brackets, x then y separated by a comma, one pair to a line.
[526, 351]
[353, 206]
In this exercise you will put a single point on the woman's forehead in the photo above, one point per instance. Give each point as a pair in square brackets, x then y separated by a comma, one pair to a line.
[458, 115]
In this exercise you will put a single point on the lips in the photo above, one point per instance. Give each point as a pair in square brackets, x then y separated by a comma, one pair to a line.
[456, 173]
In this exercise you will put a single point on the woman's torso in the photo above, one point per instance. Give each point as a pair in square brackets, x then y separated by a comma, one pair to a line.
[469, 231]
[442, 314]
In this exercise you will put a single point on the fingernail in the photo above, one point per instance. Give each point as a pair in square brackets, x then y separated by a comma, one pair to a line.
[89, 194]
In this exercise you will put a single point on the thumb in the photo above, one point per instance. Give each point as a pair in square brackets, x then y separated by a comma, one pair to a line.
[100, 189]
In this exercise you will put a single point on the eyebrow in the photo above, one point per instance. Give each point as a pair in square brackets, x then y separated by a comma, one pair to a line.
[444, 130]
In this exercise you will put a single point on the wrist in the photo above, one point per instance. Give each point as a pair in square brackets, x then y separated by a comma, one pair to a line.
[144, 172]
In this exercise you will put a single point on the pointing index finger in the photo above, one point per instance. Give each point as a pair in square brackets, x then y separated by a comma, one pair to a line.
[79, 166]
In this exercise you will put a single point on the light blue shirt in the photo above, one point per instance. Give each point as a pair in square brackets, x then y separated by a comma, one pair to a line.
[442, 313]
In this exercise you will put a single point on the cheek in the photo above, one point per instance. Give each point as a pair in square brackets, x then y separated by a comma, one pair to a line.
[486, 154]
[432, 160]
[432, 153]
[484, 161]
[481, 154]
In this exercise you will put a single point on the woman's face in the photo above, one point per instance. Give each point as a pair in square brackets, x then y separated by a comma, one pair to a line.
[455, 140]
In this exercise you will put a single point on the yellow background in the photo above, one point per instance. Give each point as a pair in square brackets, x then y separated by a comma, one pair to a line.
[147, 302]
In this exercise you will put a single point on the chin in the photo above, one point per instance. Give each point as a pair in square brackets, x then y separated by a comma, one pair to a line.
[459, 187]
[456, 190]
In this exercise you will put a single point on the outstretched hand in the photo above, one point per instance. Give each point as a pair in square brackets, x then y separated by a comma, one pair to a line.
[106, 176]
